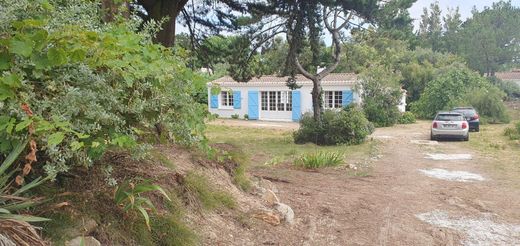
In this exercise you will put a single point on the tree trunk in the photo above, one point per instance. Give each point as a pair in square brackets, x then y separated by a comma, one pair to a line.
[160, 9]
[317, 101]
[111, 9]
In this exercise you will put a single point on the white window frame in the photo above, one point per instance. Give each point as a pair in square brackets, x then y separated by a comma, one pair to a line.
[282, 101]
[337, 99]
[227, 101]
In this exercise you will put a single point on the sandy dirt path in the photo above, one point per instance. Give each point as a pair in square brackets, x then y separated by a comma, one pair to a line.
[396, 203]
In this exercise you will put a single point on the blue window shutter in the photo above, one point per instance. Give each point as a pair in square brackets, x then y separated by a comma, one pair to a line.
[346, 98]
[252, 105]
[236, 100]
[296, 106]
[214, 101]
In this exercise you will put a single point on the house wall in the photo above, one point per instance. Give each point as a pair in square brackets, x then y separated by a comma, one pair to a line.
[305, 100]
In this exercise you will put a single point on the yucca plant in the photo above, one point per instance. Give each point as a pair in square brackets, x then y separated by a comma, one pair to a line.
[11, 197]
[319, 159]
[14, 228]
[128, 196]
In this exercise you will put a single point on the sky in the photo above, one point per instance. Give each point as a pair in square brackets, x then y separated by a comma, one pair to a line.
[465, 7]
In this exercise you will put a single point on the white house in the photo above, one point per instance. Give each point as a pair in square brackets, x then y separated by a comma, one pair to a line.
[269, 98]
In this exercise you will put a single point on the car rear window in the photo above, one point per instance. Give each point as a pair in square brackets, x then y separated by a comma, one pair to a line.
[449, 117]
[466, 112]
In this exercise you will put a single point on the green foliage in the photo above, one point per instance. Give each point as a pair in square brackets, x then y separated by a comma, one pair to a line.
[128, 196]
[91, 86]
[406, 118]
[447, 90]
[380, 93]
[235, 116]
[488, 103]
[513, 133]
[511, 88]
[319, 159]
[347, 126]
[246, 117]
[11, 200]
[208, 195]
[489, 39]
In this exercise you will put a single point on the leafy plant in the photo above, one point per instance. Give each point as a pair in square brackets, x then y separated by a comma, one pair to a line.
[347, 126]
[11, 196]
[381, 93]
[91, 86]
[406, 118]
[129, 197]
[235, 116]
[246, 117]
[319, 159]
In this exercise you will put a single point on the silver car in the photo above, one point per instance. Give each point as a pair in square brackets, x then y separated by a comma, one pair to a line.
[450, 125]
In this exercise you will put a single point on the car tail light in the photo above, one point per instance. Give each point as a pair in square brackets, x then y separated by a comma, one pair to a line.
[475, 117]
[464, 125]
[434, 125]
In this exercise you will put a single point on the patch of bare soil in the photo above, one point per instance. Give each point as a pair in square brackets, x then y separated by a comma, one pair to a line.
[256, 124]
[332, 207]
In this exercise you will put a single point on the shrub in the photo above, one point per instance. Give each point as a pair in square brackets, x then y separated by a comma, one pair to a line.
[319, 159]
[488, 102]
[347, 126]
[381, 93]
[87, 87]
[513, 132]
[235, 116]
[406, 118]
[246, 117]
[447, 90]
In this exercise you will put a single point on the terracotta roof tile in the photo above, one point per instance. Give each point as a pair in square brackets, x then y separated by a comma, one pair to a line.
[333, 77]
[514, 75]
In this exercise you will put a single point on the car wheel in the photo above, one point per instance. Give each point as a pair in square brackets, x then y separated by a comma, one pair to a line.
[477, 129]
[433, 138]
[466, 138]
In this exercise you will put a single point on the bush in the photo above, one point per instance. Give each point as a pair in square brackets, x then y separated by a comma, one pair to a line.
[488, 102]
[446, 91]
[235, 116]
[406, 118]
[380, 93]
[319, 159]
[246, 117]
[347, 126]
[84, 87]
[513, 132]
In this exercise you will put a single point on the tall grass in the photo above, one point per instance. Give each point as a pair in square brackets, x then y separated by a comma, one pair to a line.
[319, 159]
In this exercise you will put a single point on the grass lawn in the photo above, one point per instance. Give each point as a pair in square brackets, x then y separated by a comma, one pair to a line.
[490, 142]
[268, 147]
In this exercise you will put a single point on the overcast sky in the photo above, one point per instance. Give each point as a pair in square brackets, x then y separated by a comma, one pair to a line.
[465, 7]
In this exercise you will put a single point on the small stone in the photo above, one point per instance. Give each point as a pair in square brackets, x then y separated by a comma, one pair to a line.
[83, 241]
[271, 198]
[89, 225]
[286, 212]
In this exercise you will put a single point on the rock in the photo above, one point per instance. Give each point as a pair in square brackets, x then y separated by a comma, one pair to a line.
[88, 226]
[286, 212]
[271, 198]
[83, 241]
[268, 216]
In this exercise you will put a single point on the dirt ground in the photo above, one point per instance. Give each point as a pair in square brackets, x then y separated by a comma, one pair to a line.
[395, 203]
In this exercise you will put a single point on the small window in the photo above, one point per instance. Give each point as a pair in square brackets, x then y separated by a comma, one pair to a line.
[332, 99]
[226, 99]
